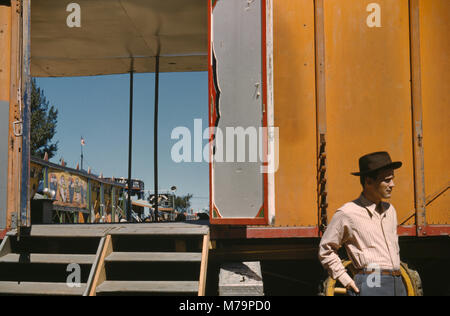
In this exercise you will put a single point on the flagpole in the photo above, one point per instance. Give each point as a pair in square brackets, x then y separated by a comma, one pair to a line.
[81, 145]
[130, 145]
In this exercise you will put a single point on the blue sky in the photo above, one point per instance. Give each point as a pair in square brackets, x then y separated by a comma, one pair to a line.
[97, 108]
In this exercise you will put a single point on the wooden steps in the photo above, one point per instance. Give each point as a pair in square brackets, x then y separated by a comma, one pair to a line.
[167, 259]
[45, 265]
[40, 288]
[167, 264]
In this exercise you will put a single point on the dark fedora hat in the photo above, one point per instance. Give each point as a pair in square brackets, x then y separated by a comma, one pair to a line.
[374, 162]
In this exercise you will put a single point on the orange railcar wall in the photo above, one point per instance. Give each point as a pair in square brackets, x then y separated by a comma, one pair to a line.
[295, 111]
[344, 69]
[435, 86]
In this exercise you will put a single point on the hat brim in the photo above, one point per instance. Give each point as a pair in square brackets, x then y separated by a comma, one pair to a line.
[393, 165]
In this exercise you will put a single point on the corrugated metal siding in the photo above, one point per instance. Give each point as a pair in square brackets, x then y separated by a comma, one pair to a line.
[435, 62]
[368, 96]
[295, 112]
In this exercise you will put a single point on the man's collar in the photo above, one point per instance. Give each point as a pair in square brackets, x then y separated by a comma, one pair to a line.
[369, 205]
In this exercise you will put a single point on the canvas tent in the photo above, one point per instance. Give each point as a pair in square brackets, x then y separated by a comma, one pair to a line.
[113, 33]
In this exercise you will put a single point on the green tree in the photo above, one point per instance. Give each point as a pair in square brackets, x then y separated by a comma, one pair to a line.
[183, 203]
[43, 124]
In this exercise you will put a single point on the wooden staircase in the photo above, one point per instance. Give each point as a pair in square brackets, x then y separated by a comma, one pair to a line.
[148, 259]
[38, 266]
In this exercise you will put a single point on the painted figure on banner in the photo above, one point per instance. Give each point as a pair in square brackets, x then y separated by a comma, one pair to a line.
[77, 192]
[62, 189]
[71, 190]
[53, 182]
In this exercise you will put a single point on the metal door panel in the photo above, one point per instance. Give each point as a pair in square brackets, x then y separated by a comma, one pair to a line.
[368, 96]
[435, 79]
[238, 186]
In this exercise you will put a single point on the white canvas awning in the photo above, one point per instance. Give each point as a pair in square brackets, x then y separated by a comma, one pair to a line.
[115, 32]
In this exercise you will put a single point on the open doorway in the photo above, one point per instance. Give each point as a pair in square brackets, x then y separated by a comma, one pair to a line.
[99, 66]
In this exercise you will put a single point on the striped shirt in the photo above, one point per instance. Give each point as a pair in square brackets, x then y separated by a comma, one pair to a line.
[368, 237]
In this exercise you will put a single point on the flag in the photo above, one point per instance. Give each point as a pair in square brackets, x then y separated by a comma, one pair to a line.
[82, 141]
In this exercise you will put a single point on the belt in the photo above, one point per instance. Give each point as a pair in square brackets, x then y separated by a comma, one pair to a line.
[383, 272]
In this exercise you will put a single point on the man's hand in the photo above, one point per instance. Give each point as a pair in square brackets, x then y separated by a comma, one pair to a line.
[353, 286]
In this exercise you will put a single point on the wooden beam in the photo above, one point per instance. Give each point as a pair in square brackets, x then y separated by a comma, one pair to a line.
[25, 79]
[96, 263]
[100, 273]
[5, 52]
[416, 100]
[203, 266]
[15, 142]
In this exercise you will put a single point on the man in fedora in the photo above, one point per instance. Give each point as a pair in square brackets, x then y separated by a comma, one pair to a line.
[367, 228]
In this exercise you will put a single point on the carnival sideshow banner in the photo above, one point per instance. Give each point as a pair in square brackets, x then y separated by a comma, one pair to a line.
[71, 191]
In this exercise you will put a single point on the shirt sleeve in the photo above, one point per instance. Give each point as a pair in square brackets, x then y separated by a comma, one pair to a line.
[334, 237]
[394, 228]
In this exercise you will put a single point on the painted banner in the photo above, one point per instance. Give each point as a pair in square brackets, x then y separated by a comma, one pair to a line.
[71, 190]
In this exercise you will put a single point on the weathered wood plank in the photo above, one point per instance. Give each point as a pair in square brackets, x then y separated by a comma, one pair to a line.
[15, 147]
[100, 273]
[47, 258]
[94, 266]
[204, 266]
[116, 229]
[154, 257]
[148, 287]
[40, 288]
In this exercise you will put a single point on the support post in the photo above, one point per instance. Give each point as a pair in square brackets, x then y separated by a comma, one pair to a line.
[15, 119]
[156, 135]
[24, 218]
[5, 83]
[130, 146]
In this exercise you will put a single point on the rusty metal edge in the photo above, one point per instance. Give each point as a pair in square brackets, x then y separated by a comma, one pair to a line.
[416, 104]
[321, 118]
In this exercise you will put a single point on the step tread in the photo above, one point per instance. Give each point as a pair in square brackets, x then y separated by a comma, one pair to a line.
[148, 287]
[40, 288]
[48, 258]
[148, 229]
[154, 257]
